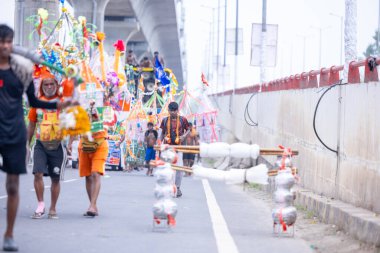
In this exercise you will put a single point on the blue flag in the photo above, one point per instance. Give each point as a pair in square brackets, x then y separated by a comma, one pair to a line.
[160, 73]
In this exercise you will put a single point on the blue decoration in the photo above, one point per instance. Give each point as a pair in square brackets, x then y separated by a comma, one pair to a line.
[160, 73]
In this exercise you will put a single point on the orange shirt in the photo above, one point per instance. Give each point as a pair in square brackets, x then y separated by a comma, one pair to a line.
[33, 113]
[47, 122]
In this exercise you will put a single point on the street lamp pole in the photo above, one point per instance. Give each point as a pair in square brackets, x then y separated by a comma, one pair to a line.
[303, 36]
[341, 34]
[320, 43]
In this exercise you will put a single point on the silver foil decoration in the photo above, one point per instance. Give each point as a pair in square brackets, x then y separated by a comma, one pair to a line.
[284, 213]
[165, 209]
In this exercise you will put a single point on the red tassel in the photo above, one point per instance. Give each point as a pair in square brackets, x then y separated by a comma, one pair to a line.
[171, 220]
[282, 222]
[119, 45]
[157, 220]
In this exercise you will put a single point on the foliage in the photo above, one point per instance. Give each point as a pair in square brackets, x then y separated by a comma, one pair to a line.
[374, 48]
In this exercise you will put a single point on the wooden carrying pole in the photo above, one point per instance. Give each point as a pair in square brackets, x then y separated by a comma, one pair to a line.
[190, 170]
[195, 150]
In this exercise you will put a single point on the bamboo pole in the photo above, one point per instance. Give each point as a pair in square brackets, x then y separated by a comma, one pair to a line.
[271, 173]
[157, 147]
[180, 168]
[195, 150]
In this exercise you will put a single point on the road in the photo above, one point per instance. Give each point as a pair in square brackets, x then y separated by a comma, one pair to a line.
[212, 217]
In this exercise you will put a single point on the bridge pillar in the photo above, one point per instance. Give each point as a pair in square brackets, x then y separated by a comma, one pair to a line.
[25, 9]
[93, 10]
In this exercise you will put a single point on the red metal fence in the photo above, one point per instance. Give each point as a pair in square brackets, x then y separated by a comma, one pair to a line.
[327, 76]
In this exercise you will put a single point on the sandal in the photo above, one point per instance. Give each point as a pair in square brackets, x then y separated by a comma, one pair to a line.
[90, 214]
[53, 216]
[38, 215]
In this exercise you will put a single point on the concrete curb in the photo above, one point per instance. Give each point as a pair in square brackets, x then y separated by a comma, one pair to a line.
[358, 222]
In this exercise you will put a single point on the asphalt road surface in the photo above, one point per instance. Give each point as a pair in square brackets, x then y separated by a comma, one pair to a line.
[212, 217]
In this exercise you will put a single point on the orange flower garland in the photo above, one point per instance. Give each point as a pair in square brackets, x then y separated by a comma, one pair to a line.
[168, 136]
[82, 122]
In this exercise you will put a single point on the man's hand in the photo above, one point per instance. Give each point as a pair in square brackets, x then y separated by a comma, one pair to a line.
[66, 103]
[182, 138]
[70, 148]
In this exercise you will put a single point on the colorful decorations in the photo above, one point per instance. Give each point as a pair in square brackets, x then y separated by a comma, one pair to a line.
[39, 21]
[203, 79]
[134, 96]
[100, 38]
[74, 121]
[118, 67]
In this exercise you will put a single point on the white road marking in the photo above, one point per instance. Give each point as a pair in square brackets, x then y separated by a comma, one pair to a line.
[46, 187]
[4, 197]
[70, 180]
[66, 181]
[224, 240]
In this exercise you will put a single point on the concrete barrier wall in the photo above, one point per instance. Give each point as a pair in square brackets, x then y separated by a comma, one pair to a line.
[286, 117]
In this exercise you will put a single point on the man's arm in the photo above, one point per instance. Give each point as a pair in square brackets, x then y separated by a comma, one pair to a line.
[146, 137]
[31, 129]
[163, 132]
[186, 128]
[162, 136]
[36, 103]
[70, 145]
[196, 139]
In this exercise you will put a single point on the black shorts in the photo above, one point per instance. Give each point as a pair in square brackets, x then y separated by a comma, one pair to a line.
[49, 162]
[188, 156]
[14, 158]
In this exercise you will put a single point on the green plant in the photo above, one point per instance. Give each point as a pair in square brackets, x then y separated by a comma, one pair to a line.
[300, 208]
[254, 186]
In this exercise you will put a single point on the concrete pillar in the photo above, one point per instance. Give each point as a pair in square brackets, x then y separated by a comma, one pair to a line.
[93, 10]
[25, 9]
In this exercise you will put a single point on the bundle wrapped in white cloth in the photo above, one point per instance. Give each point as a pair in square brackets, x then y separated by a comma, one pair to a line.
[164, 174]
[288, 215]
[165, 191]
[222, 149]
[257, 174]
[244, 150]
[216, 149]
[165, 207]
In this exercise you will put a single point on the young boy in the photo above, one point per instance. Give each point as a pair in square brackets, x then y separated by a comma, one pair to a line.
[151, 136]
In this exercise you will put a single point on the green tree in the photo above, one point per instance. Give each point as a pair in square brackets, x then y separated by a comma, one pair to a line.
[374, 48]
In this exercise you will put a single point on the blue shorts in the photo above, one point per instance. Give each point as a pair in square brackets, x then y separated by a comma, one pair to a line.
[150, 154]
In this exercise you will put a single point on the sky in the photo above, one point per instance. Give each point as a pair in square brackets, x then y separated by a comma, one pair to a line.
[298, 21]
[7, 12]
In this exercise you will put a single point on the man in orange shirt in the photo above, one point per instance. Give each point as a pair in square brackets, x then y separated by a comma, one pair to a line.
[92, 159]
[49, 156]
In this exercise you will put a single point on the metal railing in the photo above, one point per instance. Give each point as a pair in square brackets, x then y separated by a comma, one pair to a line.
[316, 78]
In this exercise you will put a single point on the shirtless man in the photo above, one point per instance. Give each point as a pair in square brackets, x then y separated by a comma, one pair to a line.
[150, 140]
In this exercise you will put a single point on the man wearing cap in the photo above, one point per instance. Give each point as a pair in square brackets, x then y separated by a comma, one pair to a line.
[49, 156]
[175, 128]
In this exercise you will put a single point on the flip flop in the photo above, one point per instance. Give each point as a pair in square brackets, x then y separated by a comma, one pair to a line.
[91, 214]
[38, 215]
[53, 216]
